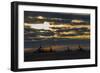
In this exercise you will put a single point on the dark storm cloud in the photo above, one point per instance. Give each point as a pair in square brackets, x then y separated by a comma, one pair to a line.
[78, 31]
[67, 16]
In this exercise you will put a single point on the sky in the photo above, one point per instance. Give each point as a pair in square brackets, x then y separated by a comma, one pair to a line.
[58, 25]
[57, 15]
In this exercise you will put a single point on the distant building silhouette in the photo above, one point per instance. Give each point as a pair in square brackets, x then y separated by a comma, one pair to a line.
[80, 48]
[51, 49]
[40, 49]
[68, 49]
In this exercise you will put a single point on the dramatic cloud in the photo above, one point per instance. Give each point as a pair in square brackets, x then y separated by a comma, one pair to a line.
[56, 25]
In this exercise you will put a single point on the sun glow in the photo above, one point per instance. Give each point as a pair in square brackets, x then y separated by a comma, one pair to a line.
[45, 26]
[77, 21]
[40, 17]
